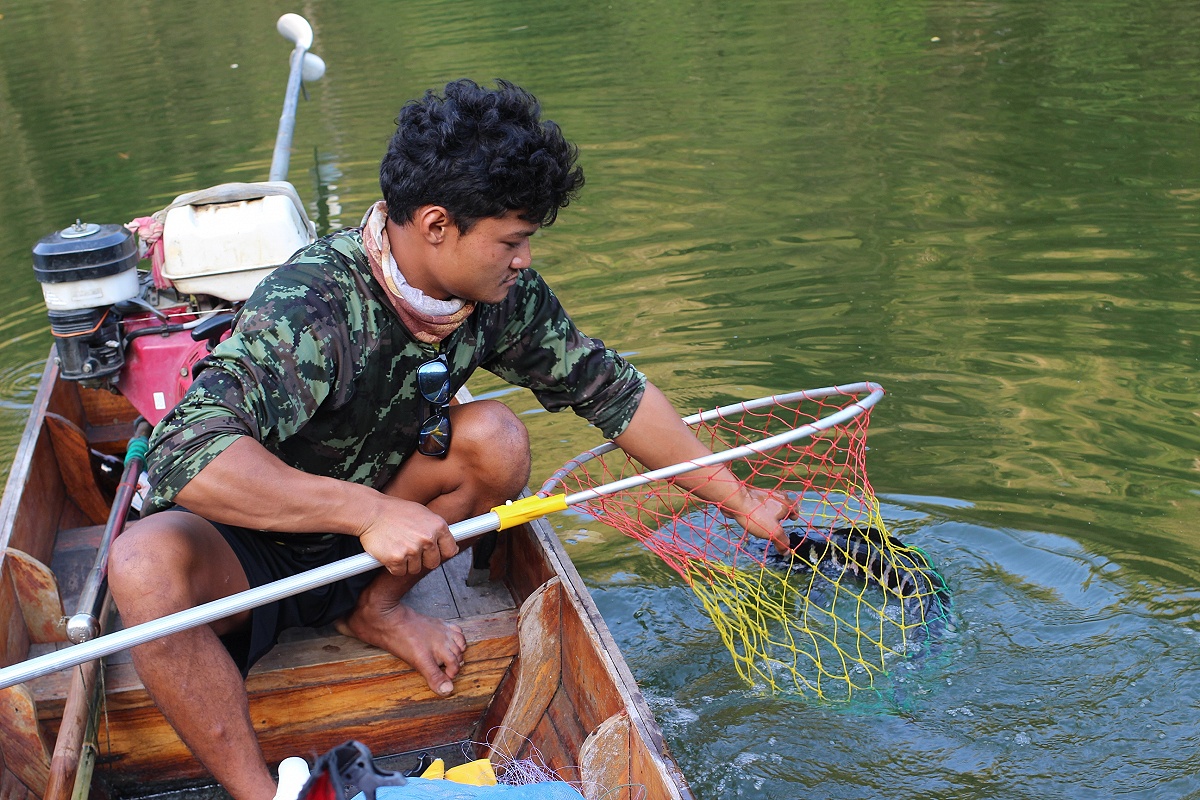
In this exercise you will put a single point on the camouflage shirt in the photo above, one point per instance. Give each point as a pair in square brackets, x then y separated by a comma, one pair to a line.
[320, 370]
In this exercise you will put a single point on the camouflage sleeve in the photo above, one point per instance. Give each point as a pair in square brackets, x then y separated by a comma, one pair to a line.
[540, 348]
[265, 381]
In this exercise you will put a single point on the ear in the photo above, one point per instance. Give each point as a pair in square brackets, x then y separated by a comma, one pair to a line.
[432, 223]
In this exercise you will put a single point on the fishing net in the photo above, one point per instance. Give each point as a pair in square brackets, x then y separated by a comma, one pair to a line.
[837, 611]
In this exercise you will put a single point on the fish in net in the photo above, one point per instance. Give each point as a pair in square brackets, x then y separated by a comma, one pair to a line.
[836, 611]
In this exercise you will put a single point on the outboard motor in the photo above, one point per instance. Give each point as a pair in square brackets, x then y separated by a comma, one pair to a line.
[85, 270]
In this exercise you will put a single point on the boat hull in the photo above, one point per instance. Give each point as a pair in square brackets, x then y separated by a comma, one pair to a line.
[543, 678]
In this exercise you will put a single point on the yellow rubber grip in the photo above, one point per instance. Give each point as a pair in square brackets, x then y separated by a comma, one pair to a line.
[528, 508]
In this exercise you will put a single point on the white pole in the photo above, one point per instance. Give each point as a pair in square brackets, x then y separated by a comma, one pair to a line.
[294, 28]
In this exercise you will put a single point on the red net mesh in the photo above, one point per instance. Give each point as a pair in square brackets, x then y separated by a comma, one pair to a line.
[826, 617]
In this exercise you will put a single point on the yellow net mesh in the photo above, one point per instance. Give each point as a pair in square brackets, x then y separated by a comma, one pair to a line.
[827, 618]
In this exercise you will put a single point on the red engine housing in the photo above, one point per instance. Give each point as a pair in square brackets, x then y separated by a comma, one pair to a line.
[158, 366]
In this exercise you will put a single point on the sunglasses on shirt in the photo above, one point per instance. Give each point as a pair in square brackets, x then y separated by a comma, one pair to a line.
[433, 382]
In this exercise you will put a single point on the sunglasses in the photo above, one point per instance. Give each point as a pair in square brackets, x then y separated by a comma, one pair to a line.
[433, 382]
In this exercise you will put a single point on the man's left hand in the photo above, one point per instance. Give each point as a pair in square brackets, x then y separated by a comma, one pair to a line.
[762, 514]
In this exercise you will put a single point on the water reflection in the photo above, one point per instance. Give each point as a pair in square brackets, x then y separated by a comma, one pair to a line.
[988, 206]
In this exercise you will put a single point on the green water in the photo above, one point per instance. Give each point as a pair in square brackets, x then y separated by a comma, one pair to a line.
[991, 208]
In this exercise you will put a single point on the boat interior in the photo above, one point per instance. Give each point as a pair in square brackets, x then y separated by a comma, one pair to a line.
[567, 703]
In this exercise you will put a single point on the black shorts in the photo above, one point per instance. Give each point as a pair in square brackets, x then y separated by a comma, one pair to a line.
[265, 557]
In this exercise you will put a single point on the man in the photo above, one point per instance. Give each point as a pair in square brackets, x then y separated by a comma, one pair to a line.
[321, 427]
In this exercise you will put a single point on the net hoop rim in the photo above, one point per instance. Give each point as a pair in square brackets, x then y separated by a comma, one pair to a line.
[874, 395]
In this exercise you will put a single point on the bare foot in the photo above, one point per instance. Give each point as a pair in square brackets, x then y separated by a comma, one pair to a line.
[431, 646]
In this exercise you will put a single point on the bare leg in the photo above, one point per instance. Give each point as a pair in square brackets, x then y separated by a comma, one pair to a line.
[488, 463]
[174, 560]
[167, 563]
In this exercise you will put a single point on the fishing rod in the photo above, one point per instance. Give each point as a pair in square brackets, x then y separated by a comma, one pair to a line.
[500, 518]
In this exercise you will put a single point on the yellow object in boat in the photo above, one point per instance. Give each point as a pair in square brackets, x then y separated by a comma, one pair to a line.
[474, 773]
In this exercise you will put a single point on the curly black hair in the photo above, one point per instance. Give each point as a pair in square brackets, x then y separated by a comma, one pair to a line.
[478, 152]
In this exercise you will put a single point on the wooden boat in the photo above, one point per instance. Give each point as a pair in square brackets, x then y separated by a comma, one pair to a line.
[542, 679]
[542, 672]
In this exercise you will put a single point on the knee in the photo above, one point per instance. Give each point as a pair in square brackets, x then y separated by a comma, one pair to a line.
[146, 560]
[496, 443]
[128, 556]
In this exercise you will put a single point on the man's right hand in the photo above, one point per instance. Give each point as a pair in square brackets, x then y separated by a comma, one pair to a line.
[406, 537]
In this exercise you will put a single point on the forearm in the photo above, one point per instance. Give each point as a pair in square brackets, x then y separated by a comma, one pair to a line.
[657, 438]
[248, 486]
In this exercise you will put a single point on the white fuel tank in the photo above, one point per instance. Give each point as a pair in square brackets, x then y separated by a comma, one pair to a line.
[224, 240]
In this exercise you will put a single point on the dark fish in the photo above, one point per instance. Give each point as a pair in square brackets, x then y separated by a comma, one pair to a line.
[874, 558]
